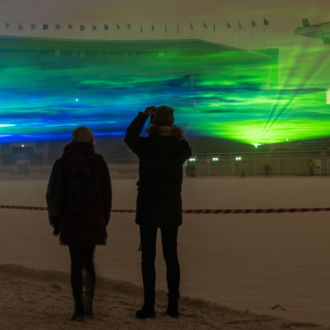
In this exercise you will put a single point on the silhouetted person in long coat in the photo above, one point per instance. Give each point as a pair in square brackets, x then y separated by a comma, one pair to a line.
[159, 205]
[79, 205]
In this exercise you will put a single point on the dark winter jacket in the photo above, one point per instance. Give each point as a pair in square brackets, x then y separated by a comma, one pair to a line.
[79, 196]
[161, 156]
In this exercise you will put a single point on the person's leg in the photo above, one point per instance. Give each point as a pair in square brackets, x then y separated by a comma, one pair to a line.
[148, 236]
[76, 281]
[88, 255]
[169, 242]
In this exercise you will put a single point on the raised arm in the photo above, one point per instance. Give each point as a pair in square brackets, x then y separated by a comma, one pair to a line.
[132, 136]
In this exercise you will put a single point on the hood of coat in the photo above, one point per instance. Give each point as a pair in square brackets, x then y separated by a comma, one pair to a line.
[155, 130]
[87, 149]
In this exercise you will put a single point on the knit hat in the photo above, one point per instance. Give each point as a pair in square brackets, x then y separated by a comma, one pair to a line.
[163, 116]
[82, 135]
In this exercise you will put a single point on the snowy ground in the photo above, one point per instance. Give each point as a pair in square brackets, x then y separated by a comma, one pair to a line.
[41, 300]
[247, 262]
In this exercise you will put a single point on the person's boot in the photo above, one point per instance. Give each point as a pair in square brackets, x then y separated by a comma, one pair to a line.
[173, 307]
[147, 310]
[78, 313]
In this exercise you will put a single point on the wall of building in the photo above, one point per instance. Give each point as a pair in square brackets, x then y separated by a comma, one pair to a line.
[250, 165]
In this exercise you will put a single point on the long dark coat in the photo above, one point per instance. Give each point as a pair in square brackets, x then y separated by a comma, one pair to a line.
[79, 196]
[160, 174]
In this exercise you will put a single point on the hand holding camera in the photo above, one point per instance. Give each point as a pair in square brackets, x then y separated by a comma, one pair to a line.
[150, 110]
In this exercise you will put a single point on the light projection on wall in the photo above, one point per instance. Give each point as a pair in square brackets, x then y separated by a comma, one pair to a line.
[49, 87]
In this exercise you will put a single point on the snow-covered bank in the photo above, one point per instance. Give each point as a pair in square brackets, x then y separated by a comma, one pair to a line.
[41, 300]
[253, 261]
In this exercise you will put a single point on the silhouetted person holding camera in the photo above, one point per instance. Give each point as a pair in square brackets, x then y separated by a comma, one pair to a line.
[79, 205]
[159, 205]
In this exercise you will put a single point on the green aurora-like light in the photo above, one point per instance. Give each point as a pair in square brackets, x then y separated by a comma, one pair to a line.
[255, 97]
[294, 107]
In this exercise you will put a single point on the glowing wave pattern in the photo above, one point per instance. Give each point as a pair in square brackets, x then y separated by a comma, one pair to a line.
[47, 89]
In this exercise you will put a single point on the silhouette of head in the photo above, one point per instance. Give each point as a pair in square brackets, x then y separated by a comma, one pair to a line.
[163, 116]
[83, 135]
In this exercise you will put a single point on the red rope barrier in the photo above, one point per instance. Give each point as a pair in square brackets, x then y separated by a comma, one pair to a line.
[195, 211]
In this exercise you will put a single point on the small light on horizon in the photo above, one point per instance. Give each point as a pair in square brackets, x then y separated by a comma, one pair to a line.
[76, 99]
[192, 159]
[22, 145]
[286, 139]
[256, 145]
